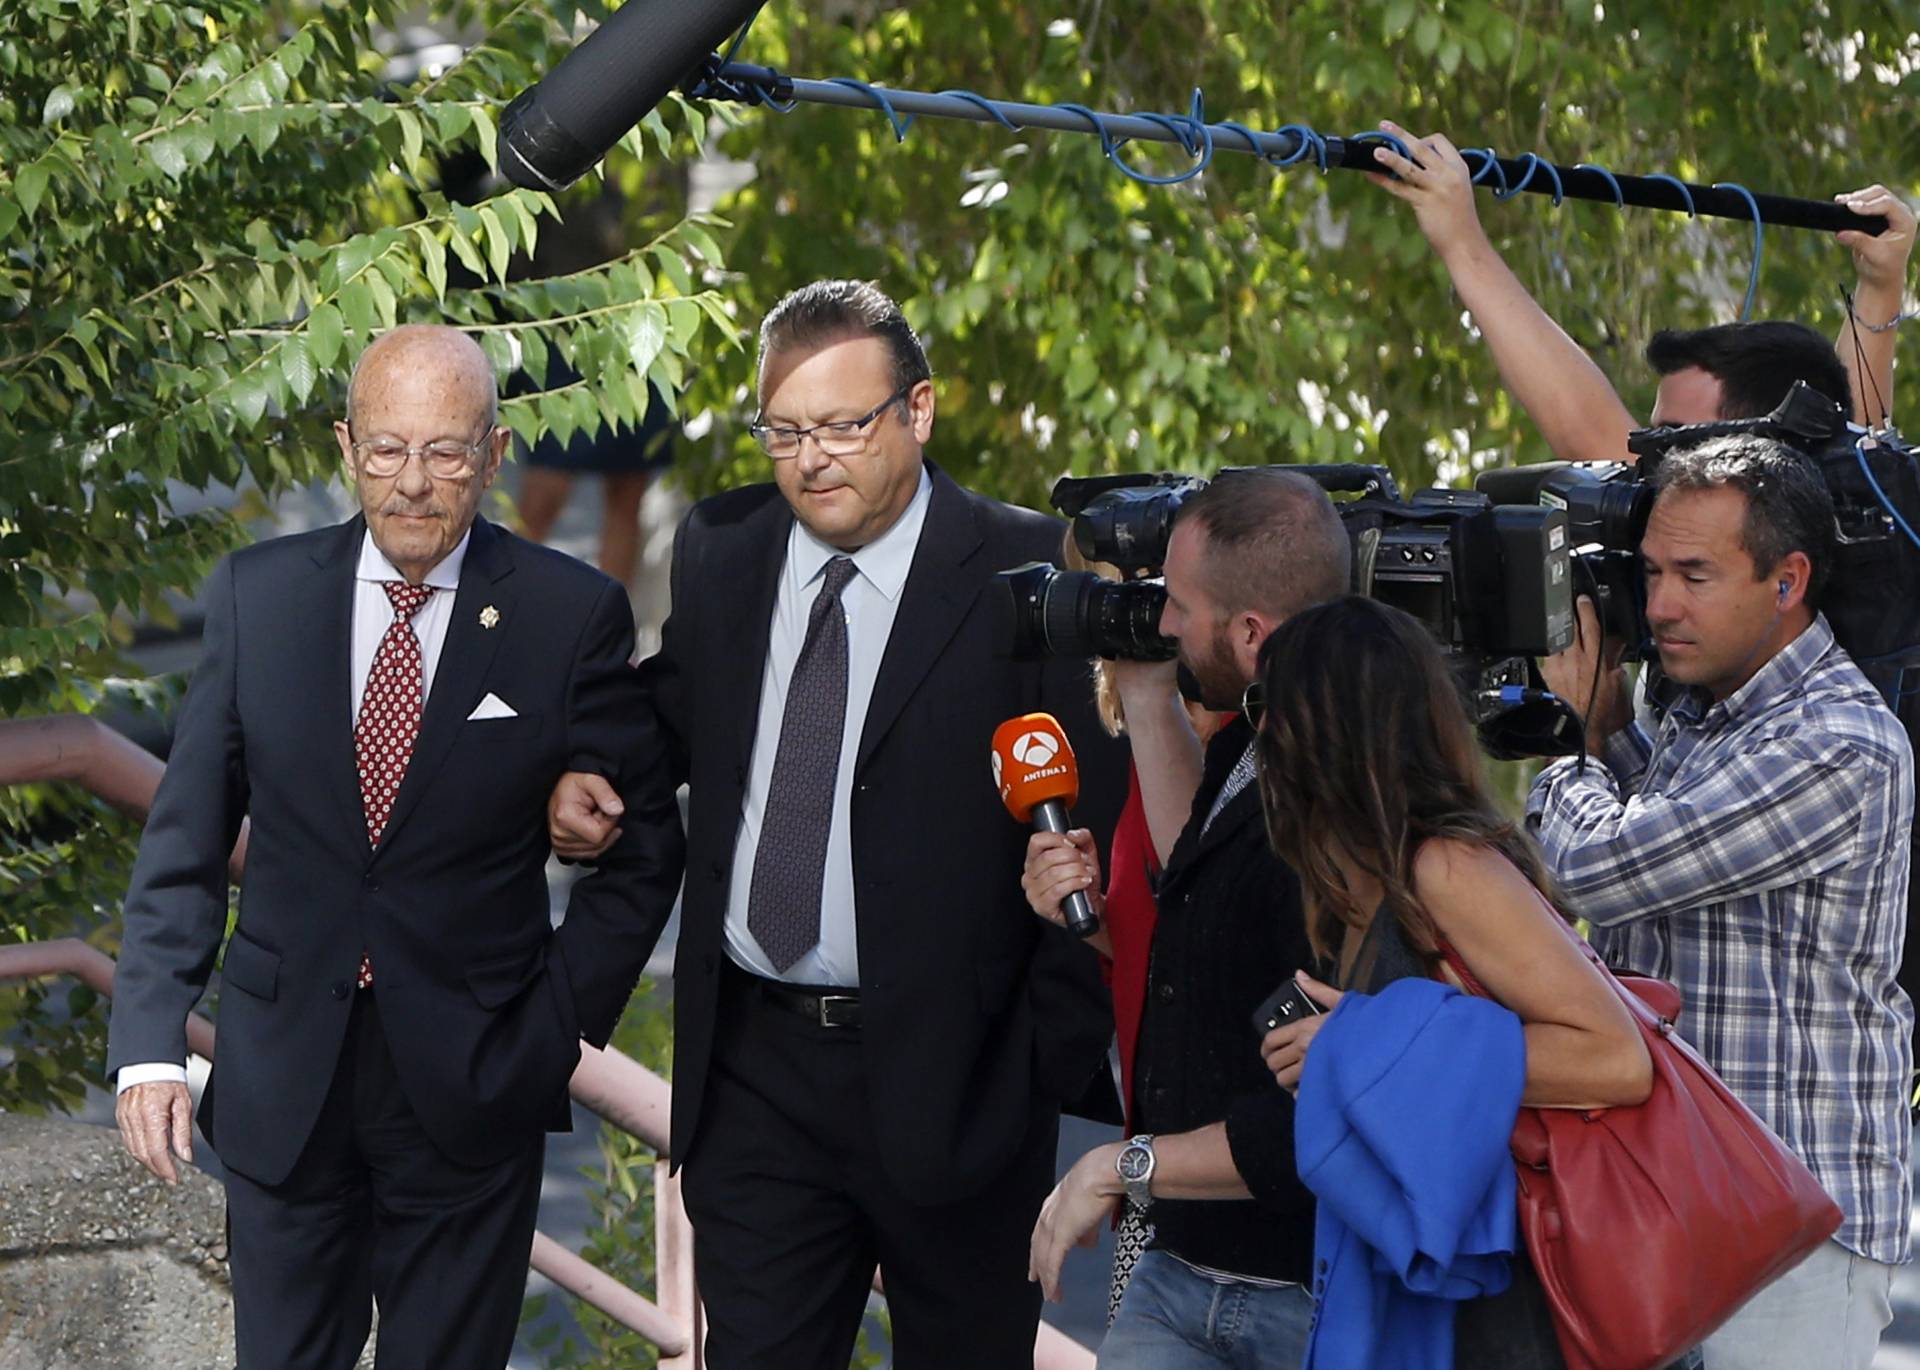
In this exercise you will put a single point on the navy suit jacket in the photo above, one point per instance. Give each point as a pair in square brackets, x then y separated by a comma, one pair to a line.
[483, 1003]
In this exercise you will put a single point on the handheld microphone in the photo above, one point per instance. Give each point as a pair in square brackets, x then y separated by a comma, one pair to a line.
[1038, 781]
[554, 131]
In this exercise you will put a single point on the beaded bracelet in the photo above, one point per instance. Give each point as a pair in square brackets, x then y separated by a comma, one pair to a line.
[1889, 325]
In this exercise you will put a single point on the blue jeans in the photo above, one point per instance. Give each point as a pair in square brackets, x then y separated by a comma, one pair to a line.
[1175, 1318]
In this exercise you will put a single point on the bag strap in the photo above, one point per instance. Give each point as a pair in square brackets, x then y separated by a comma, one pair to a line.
[1468, 980]
[1654, 1003]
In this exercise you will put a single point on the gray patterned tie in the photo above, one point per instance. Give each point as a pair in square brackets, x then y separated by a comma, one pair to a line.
[783, 908]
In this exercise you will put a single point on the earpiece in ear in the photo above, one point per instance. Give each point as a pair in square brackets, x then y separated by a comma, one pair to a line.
[1784, 587]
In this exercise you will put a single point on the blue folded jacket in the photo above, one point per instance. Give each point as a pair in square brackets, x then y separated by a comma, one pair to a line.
[1401, 1129]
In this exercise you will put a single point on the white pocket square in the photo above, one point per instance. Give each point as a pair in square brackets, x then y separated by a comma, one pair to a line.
[492, 707]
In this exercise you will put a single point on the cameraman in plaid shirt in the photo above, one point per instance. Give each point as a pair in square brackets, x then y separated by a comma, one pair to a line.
[1755, 852]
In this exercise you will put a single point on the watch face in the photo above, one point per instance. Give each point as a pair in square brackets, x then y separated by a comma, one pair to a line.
[1135, 1163]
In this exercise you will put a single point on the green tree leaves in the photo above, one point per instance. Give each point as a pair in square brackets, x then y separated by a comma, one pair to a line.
[326, 334]
[1081, 322]
[59, 105]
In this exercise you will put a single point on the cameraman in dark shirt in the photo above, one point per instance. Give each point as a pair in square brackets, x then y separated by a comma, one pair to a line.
[1227, 1279]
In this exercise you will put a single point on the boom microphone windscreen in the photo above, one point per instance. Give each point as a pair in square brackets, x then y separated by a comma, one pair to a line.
[558, 128]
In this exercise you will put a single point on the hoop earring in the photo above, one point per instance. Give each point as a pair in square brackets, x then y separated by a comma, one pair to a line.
[1253, 704]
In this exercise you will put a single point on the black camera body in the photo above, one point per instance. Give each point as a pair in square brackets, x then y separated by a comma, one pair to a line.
[1125, 520]
[1606, 504]
[1491, 581]
[1493, 584]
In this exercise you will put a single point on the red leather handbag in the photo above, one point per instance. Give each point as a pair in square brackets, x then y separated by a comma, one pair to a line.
[1650, 1226]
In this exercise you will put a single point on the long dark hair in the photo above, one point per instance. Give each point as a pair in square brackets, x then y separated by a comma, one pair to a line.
[1366, 746]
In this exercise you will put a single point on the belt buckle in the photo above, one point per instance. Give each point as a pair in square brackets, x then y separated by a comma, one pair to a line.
[828, 1003]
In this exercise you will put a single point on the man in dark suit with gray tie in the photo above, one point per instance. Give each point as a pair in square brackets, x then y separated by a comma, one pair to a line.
[873, 1037]
[390, 701]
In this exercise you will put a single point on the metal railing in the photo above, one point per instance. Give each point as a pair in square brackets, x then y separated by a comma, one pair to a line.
[608, 1083]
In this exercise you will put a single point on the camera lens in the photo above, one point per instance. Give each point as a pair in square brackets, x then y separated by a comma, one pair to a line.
[1619, 514]
[1123, 620]
[1079, 614]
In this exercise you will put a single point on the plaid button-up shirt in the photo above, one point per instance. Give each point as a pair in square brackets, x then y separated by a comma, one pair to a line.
[1757, 856]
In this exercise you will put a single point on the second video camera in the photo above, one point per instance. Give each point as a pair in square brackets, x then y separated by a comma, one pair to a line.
[1874, 481]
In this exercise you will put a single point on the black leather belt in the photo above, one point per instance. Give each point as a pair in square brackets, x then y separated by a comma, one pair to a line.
[825, 1007]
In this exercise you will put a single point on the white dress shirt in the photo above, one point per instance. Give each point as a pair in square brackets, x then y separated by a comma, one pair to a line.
[372, 616]
[870, 600]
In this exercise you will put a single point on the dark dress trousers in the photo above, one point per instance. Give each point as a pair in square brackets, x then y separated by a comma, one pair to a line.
[923, 1138]
[442, 1078]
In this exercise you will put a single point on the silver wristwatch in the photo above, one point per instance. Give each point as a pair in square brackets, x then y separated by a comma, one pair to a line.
[1134, 1165]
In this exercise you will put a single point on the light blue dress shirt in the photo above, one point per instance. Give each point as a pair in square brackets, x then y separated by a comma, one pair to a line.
[871, 600]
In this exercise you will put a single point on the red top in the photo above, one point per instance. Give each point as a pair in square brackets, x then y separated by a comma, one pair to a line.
[1130, 915]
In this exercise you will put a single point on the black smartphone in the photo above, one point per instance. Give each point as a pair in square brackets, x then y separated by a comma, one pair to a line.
[1288, 1004]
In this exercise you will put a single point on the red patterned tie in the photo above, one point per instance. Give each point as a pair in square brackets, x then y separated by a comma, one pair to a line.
[389, 717]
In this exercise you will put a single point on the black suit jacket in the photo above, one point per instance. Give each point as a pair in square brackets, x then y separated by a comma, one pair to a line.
[975, 1011]
[483, 1005]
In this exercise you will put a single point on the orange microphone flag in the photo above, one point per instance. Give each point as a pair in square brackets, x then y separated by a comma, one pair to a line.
[1033, 763]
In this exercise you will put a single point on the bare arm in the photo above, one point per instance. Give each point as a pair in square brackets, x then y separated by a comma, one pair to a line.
[1167, 754]
[1197, 1165]
[1880, 295]
[1583, 1050]
[1565, 393]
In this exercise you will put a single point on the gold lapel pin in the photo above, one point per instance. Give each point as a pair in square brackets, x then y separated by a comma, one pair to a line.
[489, 617]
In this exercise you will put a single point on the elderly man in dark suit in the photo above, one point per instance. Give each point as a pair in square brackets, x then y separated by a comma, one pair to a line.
[873, 1037]
[390, 701]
